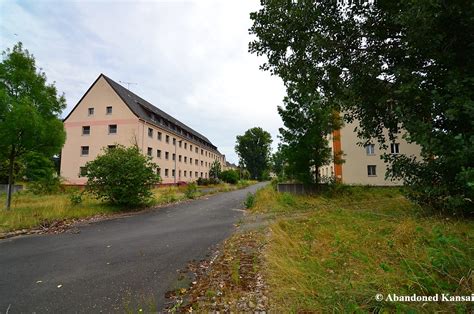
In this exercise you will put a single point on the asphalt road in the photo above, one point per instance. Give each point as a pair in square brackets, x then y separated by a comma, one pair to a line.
[114, 265]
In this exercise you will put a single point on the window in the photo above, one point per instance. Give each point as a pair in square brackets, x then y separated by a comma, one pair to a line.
[159, 136]
[108, 110]
[185, 145]
[201, 175]
[196, 174]
[167, 139]
[174, 141]
[166, 172]
[185, 173]
[371, 170]
[84, 150]
[179, 158]
[90, 111]
[158, 153]
[173, 173]
[202, 163]
[179, 173]
[174, 156]
[370, 149]
[190, 174]
[86, 130]
[190, 147]
[111, 146]
[196, 162]
[158, 171]
[150, 151]
[167, 155]
[202, 151]
[196, 150]
[112, 128]
[395, 148]
[150, 132]
[190, 160]
[180, 143]
[82, 171]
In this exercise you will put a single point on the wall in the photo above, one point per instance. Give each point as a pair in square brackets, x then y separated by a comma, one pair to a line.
[99, 97]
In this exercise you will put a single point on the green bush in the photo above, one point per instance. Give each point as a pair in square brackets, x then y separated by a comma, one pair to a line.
[249, 200]
[230, 176]
[245, 174]
[75, 198]
[122, 176]
[205, 182]
[191, 190]
[47, 185]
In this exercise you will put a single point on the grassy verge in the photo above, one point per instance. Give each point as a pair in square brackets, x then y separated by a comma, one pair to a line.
[31, 211]
[335, 253]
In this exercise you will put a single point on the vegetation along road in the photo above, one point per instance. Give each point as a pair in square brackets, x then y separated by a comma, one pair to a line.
[114, 265]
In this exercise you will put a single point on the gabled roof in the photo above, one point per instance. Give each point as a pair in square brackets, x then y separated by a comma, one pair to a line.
[151, 114]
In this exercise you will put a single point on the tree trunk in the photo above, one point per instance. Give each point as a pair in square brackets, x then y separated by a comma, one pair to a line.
[10, 178]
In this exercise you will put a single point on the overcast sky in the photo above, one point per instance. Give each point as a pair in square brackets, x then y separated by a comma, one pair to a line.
[189, 58]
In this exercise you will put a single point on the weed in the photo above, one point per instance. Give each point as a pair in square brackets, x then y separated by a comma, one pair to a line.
[191, 190]
[249, 200]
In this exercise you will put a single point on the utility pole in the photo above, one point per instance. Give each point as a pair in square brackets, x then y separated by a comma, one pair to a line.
[128, 84]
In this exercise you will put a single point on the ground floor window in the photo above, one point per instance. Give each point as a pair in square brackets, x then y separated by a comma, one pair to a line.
[371, 170]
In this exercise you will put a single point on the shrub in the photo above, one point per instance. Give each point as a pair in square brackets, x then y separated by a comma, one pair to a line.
[47, 185]
[122, 176]
[245, 174]
[205, 182]
[75, 198]
[249, 200]
[230, 176]
[191, 190]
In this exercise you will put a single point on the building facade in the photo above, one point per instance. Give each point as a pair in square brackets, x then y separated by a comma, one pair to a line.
[363, 164]
[109, 114]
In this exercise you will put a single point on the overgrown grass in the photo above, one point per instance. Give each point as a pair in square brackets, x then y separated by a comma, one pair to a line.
[30, 210]
[336, 252]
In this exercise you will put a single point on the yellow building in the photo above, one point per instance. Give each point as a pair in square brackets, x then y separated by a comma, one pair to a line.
[363, 165]
[109, 114]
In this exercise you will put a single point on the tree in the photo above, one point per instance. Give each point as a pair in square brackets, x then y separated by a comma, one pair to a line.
[307, 124]
[230, 176]
[391, 65]
[41, 174]
[215, 170]
[29, 111]
[253, 149]
[278, 162]
[122, 175]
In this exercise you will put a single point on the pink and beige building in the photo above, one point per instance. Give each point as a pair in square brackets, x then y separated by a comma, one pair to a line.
[109, 114]
[363, 164]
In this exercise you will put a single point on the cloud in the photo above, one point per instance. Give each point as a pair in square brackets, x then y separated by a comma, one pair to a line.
[187, 57]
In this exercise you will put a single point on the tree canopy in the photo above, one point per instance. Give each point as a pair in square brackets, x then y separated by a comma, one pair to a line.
[391, 65]
[253, 149]
[29, 110]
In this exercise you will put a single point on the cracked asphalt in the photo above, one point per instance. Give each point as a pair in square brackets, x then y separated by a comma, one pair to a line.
[114, 265]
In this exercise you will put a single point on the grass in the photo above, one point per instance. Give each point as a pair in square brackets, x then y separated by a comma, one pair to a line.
[31, 211]
[336, 251]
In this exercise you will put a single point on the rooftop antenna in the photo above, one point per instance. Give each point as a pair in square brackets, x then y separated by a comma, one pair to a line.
[128, 84]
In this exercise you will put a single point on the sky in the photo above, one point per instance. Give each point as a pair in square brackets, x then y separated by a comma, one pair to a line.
[189, 58]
